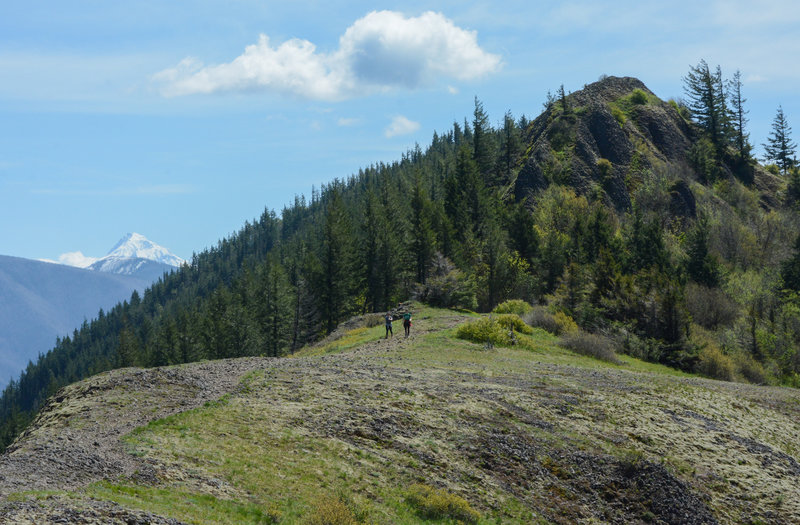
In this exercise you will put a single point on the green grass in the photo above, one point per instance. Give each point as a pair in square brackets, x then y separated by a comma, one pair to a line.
[187, 506]
[283, 443]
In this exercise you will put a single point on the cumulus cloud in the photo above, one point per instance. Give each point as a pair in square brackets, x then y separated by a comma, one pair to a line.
[401, 126]
[381, 51]
[76, 259]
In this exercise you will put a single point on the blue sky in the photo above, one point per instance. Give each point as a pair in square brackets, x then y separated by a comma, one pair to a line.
[181, 120]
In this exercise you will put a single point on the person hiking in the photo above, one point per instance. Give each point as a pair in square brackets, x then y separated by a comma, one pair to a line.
[407, 323]
[388, 325]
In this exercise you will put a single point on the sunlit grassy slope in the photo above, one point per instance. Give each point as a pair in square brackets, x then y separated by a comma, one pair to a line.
[355, 429]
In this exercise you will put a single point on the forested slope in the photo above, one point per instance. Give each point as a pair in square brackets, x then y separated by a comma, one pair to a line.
[613, 207]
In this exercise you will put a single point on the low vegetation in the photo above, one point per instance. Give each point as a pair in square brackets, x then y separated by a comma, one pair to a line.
[433, 428]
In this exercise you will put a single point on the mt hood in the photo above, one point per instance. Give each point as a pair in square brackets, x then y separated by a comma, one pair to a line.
[134, 254]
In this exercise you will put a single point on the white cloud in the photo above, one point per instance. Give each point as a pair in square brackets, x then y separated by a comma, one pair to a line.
[345, 122]
[76, 259]
[401, 126]
[381, 51]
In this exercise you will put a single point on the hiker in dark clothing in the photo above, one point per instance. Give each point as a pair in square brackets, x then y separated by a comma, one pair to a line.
[407, 323]
[389, 325]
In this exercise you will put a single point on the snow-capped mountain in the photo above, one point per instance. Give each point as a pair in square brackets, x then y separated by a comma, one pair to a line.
[134, 254]
[136, 246]
[39, 301]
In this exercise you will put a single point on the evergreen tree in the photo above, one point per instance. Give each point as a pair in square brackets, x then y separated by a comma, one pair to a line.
[790, 270]
[482, 142]
[334, 281]
[706, 101]
[739, 120]
[702, 267]
[562, 97]
[510, 149]
[370, 228]
[780, 147]
[422, 236]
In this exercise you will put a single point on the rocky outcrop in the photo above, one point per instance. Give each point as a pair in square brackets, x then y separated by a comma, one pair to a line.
[569, 147]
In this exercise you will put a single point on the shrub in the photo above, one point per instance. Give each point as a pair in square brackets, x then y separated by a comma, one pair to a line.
[513, 322]
[639, 97]
[331, 511]
[618, 115]
[750, 369]
[565, 323]
[591, 345]
[710, 307]
[606, 169]
[557, 324]
[713, 363]
[539, 317]
[513, 306]
[372, 320]
[454, 289]
[703, 158]
[484, 330]
[436, 504]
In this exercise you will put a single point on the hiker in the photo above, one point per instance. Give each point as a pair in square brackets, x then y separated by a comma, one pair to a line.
[407, 323]
[389, 325]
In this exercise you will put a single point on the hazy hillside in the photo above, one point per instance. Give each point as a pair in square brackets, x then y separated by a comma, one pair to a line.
[42, 301]
[432, 428]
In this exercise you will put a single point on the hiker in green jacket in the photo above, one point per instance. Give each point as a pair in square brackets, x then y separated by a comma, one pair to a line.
[407, 323]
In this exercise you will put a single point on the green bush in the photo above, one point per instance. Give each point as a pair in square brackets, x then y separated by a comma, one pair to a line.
[750, 369]
[713, 363]
[513, 306]
[565, 323]
[331, 511]
[431, 503]
[606, 169]
[639, 97]
[513, 322]
[704, 160]
[557, 324]
[618, 115]
[591, 345]
[484, 330]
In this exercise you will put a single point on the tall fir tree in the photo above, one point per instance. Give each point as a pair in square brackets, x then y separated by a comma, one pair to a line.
[706, 101]
[482, 142]
[334, 281]
[779, 146]
[739, 121]
[422, 235]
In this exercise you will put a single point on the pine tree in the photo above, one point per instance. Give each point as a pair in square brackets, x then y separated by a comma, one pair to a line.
[706, 101]
[780, 147]
[701, 266]
[370, 239]
[482, 142]
[510, 146]
[739, 120]
[334, 281]
[422, 236]
[562, 97]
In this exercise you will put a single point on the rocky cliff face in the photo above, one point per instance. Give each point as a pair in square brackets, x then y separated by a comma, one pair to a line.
[617, 120]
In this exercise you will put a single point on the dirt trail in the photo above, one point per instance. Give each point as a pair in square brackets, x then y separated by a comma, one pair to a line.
[76, 439]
